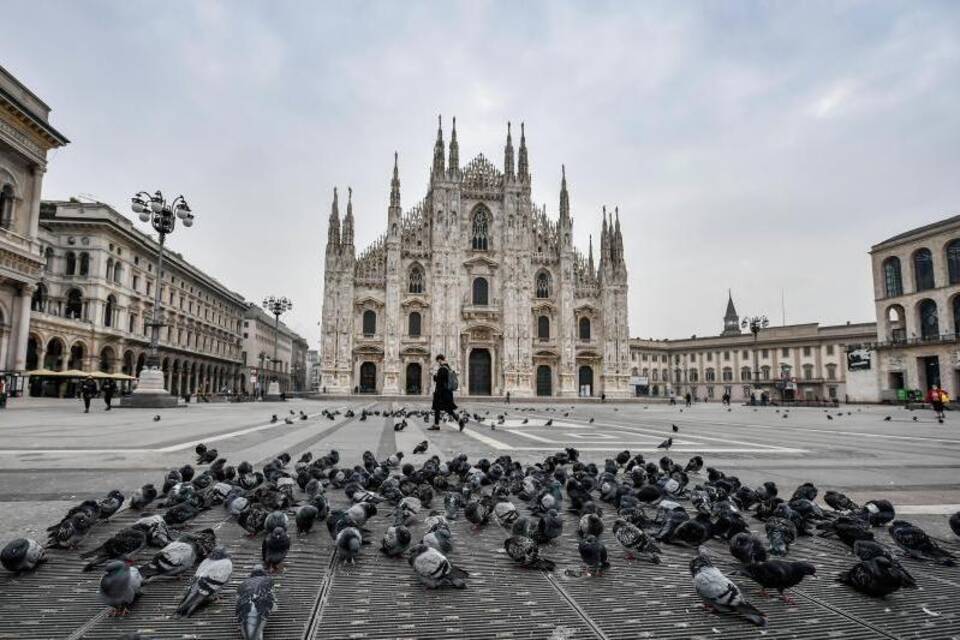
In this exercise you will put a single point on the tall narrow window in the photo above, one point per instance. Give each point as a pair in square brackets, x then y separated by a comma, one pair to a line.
[369, 322]
[480, 291]
[84, 263]
[953, 261]
[923, 269]
[6, 206]
[543, 285]
[543, 328]
[413, 325]
[416, 279]
[71, 263]
[929, 322]
[481, 226]
[584, 328]
[108, 311]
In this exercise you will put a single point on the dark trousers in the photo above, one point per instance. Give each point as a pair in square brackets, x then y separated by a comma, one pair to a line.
[108, 398]
[86, 403]
[437, 412]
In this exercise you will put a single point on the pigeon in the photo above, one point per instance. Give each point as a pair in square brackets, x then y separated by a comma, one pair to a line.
[306, 516]
[143, 496]
[211, 575]
[396, 540]
[158, 535]
[666, 444]
[252, 520]
[21, 555]
[719, 593]
[869, 549]
[526, 553]
[747, 549]
[276, 519]
[633, 539]
[590, 525]
[156, 418]
[255, 603]
[879, 512]
[204, 455]
[119, 586]
[274, 549]
[877, 577]
[348, 544]
[434, 570]
[594, 555]
[478, 512]
[888, 419]
[779, 575]
[675, 428]
[180, 555]
[918, 545]
[839, 502]
[781, 533]
[421, 448]
[549, 527]
[181, 513]
[955, 523]
[123, 545]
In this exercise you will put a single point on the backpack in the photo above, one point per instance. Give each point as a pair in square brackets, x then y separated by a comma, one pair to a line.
[453, 383]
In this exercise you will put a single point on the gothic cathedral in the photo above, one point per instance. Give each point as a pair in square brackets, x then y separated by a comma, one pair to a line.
[478, 272]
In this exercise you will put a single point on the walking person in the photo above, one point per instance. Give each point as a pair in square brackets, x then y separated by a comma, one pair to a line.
[936, 398]
[688, 398]
[444, 383]
[108, 388]
[88, 391]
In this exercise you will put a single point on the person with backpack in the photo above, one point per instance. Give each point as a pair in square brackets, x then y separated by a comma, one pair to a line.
[445, 382]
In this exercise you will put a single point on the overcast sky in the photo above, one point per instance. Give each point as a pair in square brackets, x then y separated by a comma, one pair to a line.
[754, 146]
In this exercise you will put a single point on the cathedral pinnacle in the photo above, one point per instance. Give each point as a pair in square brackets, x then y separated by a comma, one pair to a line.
[454, 163]
[333, 228]
[508, 156]
[438, 160]
[590, 266]
[348, 220]
[523, 165]
[564, 196]
[395, 184]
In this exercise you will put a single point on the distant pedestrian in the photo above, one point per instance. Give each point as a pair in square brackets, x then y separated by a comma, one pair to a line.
[444, 383]
[937, 396]
[688, 398]
[508, 397]
[109, 388]
[603, 397]
[88, 391]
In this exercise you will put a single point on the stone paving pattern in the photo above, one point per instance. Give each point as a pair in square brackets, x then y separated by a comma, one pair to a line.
[52, 456]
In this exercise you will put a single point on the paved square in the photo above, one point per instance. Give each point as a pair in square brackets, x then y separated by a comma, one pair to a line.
[52, 456]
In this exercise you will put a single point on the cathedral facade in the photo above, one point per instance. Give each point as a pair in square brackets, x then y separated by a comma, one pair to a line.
[478, 272]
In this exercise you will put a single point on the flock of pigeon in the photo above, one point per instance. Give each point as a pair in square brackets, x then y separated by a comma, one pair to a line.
[656, 503]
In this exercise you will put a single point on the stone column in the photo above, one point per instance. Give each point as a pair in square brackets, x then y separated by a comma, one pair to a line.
[21, 327]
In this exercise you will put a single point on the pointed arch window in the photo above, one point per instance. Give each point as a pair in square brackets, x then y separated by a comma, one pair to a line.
[481, 229]
[543, 285]
[416, 279]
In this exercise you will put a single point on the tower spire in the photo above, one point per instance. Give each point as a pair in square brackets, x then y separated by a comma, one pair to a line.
[731, 320]
[348, 220]
[564, 196]
[617, 236]
[590, 267]
[454, 160]
[523, 166]
[395, 183]
[605, 240]
[438, 161]
[333, 227]
[508, 156]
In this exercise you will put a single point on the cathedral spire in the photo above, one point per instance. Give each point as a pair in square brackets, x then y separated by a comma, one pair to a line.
[454, 164]
[508, 156]
[564, 196]
[333, 227]
[395, 184]
[605, 240]
[617, 236]
[523, 165]
[438, 161]
[590, 267]
[347, 240]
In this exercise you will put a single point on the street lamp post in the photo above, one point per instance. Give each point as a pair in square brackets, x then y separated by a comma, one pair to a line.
[162, 215]
[755, 324]
[276, 306]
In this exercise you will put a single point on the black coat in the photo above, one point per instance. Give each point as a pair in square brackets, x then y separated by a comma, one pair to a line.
[89, 389]
[109, 388]
[442, 396]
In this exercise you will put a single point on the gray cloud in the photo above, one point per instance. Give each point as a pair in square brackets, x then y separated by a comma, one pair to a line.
[756, 146]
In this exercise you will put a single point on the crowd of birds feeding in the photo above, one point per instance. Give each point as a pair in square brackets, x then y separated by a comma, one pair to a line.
[656, 503]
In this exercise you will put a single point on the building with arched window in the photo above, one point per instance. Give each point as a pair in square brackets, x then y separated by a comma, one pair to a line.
[480, 273]
[25, 139]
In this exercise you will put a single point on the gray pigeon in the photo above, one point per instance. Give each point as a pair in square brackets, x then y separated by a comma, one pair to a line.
[122, 545]
[915, 542]
[158, 535]
[439, 539]
[119, 586]
[348, 544]
[175, 558]
[549, 526]
[255, 603]
[719, 593]
[274, 548]
[633, 538]
[211, 575]
[434, 570]
[22, 554]
[276, 519]
[594, 555]
[395, 541]
[526, 553]
[305, 518]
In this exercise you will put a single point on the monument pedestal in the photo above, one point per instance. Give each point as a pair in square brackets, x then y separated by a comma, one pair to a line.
[150, 392]
[273, 393]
